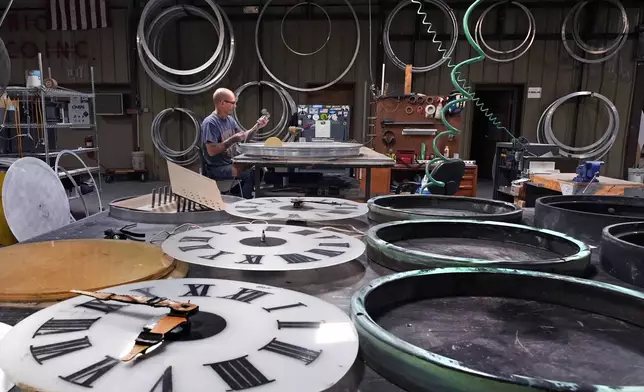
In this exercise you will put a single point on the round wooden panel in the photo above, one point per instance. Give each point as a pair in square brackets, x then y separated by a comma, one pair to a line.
[47, 271]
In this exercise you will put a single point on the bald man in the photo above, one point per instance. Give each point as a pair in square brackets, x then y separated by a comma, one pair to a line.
[220, 134]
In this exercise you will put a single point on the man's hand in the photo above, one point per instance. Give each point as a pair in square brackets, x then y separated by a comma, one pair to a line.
[261, 122]
[236, 138]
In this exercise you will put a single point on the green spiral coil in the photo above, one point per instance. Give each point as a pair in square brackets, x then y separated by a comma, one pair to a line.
[459, 84]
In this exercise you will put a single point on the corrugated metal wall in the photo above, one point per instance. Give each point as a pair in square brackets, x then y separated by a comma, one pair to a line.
[546, 65]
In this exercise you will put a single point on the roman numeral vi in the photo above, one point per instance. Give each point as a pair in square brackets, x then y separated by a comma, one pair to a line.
[239, 373]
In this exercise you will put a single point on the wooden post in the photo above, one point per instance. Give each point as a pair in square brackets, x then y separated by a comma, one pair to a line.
[408, 74]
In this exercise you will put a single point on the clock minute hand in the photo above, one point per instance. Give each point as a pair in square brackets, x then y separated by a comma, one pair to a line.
[157, 302]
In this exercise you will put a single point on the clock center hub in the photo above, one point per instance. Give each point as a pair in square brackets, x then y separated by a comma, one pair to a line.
[291, 207]
[263, 242]
[203, 325]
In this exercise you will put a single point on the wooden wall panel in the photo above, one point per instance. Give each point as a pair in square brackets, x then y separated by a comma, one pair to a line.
[546, 65]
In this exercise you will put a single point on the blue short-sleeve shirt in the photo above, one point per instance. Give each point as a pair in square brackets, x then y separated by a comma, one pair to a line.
[215, 129]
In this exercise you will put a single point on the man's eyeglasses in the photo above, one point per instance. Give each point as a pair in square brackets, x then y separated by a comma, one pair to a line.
[231, 102]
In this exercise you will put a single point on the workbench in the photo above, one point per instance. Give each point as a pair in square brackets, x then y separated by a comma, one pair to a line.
[367, 160]
[562, 183]
[337, 288]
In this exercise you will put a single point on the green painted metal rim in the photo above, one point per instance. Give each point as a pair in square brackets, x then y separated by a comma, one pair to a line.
[419, 369]
[414, 259]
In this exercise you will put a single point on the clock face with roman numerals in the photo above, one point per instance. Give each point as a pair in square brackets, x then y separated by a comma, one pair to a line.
[263, 247]
[5, 384]
[245, 337]
[288, 208]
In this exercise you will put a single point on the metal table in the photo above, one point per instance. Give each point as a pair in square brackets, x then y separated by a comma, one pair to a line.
[334, 285]
[367, 160]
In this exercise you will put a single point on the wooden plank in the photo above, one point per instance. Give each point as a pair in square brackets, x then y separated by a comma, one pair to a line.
[562, 182]
[408, 74]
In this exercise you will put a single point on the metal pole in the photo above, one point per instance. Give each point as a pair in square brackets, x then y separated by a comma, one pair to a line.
[96, 144]
[44, 111]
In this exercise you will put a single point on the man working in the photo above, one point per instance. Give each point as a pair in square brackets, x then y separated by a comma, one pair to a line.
[220, 134]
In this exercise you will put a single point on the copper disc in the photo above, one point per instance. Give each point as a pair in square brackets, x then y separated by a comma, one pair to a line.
[47, 271]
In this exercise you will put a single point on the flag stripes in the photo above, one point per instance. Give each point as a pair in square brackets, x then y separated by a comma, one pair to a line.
[78, 14]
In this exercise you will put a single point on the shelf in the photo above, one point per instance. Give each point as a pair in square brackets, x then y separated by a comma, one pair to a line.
[49, 126]
[52, 153]
[48, 92]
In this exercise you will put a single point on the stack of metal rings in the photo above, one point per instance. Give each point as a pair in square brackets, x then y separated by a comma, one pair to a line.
[591, 52]
[149, 44]
[598, 149]
[184, 157]
[289, 108]
[521, 49]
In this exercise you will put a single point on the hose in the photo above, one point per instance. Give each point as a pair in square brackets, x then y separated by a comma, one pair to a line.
[289, 108]
[609, 50]
[386, 42]
[460, 85]
[69, 176]
[309, 89]
[527, 41]
[149, 46]
[168, 153]
[594, 151]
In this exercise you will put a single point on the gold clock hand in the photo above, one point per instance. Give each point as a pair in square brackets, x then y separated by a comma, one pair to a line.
[156, 302]
[148, 341]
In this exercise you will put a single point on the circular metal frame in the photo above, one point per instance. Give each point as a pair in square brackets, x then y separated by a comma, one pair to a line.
[417, 369]
[142, 41]
[302, 89]
[527, 41]
[622, 252]
[217, 73]
[288, 108]
[588, 216]
[328, 36]
[621, 40]
[596, 150]
[140, 216]
[573, 259]
[168, 153]
[396, 207]
[387, 42]
[303, 150]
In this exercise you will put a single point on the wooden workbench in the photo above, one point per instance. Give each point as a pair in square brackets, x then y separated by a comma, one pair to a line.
[367, 160]
[562, 182]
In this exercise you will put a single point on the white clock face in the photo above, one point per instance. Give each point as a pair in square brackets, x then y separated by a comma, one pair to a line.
[5, 384]
[263, 247]
[245, 337]
[283, 208]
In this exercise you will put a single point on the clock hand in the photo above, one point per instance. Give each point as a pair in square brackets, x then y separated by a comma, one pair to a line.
[156, 302]
[299, 202]
[147, 341]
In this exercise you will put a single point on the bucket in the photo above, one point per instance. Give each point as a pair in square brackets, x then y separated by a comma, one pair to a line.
[138, 160]
[636, 174]
[33, 78]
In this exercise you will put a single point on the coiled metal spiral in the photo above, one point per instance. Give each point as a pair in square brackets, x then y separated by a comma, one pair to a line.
[459, 84]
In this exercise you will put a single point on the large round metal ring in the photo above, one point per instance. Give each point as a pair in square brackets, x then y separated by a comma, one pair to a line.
[593, 49]
[328, 150]
[585, 216]
[328, 36]
[310, 89]
[622, 252]
[595, 150]
[387, 42]
[221, 67]
[288, 108]
[417, 369]
[621, 40]
[469, 243]
[152, 6]
[413, 207]
[527, 41]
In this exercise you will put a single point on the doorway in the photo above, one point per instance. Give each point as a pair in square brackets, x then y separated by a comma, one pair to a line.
[505, 102]
[338, 94]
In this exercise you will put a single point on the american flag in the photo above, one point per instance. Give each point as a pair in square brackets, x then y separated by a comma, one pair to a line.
[78, 14]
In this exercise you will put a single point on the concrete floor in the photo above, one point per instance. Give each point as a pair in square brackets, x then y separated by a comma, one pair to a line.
[121, 189]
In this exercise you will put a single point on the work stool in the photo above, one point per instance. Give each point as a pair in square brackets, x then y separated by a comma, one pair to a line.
[450, 172]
